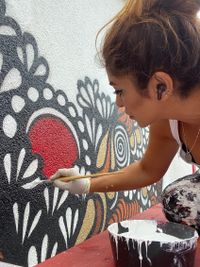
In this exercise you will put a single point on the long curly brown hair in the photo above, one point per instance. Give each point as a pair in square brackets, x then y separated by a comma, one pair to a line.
[155, 35]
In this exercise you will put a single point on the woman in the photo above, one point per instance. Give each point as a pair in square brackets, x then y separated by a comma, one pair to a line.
[151, 53]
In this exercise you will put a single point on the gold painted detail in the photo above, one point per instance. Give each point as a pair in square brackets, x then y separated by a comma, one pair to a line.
[102, 152]
[87, 222]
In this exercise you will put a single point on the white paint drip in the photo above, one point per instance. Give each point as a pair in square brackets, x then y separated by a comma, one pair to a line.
[148, 231]
[147, 243]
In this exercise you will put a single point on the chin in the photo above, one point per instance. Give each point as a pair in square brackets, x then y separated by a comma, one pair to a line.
[143, 124]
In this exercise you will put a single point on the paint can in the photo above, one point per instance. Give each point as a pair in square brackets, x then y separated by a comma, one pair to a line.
[147, 243]
[181, 201]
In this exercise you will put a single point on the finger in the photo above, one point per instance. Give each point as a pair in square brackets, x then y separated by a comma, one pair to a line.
[64, 172]
[61, 185]
[68, 172]
[55, 175]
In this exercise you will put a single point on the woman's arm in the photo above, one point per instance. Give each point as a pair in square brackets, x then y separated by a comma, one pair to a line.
[160, 151]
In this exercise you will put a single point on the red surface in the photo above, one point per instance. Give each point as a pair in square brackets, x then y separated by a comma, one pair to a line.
[55, 143]
[96, 251]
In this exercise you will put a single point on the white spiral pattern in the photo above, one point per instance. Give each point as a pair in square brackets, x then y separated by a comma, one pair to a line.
[122, 147]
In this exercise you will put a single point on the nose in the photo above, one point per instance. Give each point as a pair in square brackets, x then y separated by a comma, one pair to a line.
[119, 101]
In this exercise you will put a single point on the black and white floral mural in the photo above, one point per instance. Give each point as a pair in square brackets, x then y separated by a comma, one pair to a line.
[41, 131]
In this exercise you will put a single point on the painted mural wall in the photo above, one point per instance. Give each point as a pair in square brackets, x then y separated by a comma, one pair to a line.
[57, 110]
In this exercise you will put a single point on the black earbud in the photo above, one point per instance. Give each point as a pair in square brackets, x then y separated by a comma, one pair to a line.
[160, 89]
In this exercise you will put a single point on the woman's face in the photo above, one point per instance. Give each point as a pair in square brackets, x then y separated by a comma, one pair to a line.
[141, 108]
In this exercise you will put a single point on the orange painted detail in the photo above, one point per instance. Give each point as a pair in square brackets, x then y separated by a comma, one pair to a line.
[125, 211]
[54, 142]
[99, 217]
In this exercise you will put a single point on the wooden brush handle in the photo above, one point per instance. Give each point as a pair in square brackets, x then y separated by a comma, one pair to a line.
[71, 178]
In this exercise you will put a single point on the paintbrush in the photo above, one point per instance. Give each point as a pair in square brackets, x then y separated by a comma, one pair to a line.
[71, 178]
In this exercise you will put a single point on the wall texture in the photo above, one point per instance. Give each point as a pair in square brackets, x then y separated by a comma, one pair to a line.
[57, 110]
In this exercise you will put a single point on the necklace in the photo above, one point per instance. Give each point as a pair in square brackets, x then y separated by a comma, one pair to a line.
[188, 155]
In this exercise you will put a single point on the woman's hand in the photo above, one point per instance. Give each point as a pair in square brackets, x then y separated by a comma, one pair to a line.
[79, 186]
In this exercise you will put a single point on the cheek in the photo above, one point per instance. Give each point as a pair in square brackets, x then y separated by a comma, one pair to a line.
[134, 104]
[119, 102]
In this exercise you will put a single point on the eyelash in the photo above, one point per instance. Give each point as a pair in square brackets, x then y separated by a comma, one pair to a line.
[118, 92]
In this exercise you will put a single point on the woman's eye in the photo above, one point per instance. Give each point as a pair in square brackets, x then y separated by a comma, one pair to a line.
[118, 92]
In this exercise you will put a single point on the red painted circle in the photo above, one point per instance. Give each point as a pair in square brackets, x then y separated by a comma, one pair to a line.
[53, 140]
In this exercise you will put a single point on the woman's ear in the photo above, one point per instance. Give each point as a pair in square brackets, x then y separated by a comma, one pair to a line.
[160, 86]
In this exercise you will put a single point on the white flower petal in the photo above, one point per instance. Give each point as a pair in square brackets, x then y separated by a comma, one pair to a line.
[55, 199]
[87, 160]
[12, 80]
[61, 100]
[93, 128]
[32, 257]
[1, 61]
[33, 94]
[54, 250]
[89, 127]
[20, 54]
[109, 108]
[69, 220]
[17, 103]
[76, 217]
[9, 126]
[20, 160]
[32, 184]
[63, 230]
[98, 134]
[112, 109]
[46, 197]
[16, 216]
[25, 220]
[81, 126]
[7, 166]
[41, 70]
[35, 222]
[104, 104]
[83, 103]
[32, 168]
[7, 30]
[126, 193]
[47, 93]
[84, 97]
[63, 198]
[85, 144]
[100, 107]
[30, 53]
[44, 248]
[96, 87]
[72, 112]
